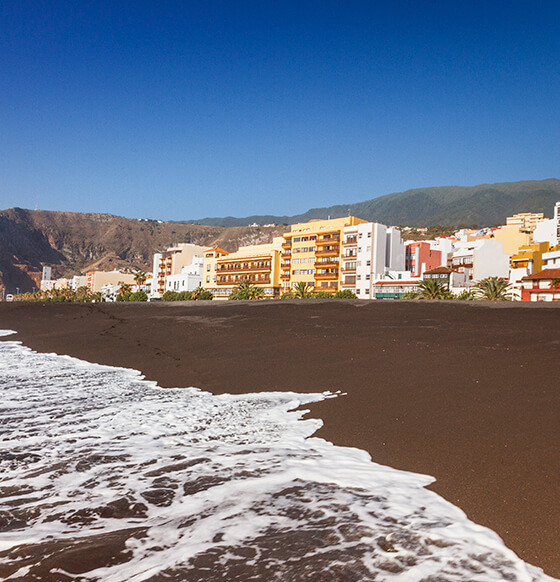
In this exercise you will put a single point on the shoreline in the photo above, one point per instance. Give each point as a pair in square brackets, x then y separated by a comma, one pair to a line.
[466, 392]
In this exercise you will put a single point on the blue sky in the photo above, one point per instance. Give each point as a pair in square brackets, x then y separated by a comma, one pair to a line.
[176, 110]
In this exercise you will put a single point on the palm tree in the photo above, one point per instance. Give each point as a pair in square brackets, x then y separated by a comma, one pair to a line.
[555, 286]
[140, 278]
[302, 290]
[493, 289]
[124, 288]
[432, 289]
[246, 290]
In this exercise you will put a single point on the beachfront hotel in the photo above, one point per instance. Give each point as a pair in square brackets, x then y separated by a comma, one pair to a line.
[256, 264]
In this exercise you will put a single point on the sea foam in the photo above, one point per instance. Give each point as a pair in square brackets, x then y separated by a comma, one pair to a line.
[106, 476]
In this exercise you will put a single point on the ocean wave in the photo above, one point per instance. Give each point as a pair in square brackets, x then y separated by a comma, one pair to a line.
[106, 476]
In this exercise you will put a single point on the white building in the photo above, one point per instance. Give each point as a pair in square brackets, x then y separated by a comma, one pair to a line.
[170, 262]
[480, 259]
[188, 279]
[369, 250]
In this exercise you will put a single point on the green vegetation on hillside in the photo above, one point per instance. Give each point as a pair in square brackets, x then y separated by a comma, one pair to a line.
[483, 205]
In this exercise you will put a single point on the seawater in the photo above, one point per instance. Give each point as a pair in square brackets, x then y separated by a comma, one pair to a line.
[105, 476]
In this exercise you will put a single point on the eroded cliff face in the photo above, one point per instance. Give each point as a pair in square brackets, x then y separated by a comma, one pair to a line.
[24, 249]
[73, 243]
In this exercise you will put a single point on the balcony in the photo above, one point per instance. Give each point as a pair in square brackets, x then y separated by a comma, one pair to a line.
[221, 269]
[349, 270]
[351, 240]
[285, 276]
[325, 264]
[334, 239]
[286, 255]
[287, 244]
[331, 252]
[326, 276]
[236, 280]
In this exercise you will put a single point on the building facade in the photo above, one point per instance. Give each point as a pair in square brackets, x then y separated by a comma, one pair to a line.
[421, 257]
[525, 220]
[369, 251]
[541, 286]
[188, 279]
[95, 280]
[170, 262]
[312, 253]
[257, 264]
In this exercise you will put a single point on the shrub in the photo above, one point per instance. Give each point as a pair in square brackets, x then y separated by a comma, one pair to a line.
[169, 296]
[137, 296]
[323, 295]
[346, 294]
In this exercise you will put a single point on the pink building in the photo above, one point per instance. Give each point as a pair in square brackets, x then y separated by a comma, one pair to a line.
[420, 257]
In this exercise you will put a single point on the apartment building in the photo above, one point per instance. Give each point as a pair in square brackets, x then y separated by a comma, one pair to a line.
[421, 257]
[369, 250]
[312, 253]
[188, 279]
[96, 280]
[480, 259]
[551, 259]
[257, 264]
[541, 286]
[525, 220]
[170, 262]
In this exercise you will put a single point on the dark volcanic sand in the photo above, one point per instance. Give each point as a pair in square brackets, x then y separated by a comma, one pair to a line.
[466, 392]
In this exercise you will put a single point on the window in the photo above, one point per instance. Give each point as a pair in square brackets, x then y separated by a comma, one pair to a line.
[369, 234]
[368, 263]
[367, 277]
[208, 278]
[208, 267]
[297, 239]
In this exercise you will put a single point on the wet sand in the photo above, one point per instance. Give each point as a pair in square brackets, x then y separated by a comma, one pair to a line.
[466, 392]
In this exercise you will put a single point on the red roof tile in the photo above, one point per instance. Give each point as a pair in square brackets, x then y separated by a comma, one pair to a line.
[546, 274]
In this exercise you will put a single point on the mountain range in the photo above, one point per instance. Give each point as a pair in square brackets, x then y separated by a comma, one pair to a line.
[74, 242]
[483, 205]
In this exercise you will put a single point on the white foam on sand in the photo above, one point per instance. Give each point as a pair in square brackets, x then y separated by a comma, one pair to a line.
[205, 487]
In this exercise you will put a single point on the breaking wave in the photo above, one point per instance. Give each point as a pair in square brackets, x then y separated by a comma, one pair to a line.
[105, 476]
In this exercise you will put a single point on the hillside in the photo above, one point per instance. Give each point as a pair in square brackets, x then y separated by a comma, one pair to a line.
[484, 205]
[74, 242]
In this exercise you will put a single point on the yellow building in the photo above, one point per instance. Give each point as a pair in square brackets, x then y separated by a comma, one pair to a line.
[530, 257]
[258, 264]
[311, 254]
[512, 238]
[525, 220]
[95, 280]
[209, 276]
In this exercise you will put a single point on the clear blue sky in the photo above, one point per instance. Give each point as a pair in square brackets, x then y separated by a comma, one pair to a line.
[176, 110]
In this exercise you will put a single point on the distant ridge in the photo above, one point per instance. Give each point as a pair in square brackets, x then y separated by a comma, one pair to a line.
[484, 205]
[74, 242]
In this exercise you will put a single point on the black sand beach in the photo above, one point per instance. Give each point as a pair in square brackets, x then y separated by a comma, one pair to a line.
[466, 392]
